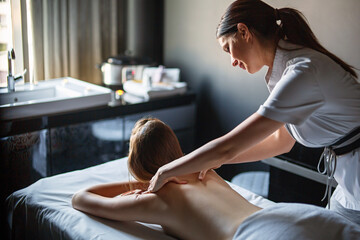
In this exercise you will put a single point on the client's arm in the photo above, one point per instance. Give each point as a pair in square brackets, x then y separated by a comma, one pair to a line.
[114, 189]
[99, 201]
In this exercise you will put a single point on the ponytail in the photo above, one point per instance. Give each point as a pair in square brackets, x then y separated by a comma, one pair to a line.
[262, 20]
[295, 29]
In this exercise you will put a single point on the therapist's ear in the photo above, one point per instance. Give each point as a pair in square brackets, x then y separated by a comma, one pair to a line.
[243, 31]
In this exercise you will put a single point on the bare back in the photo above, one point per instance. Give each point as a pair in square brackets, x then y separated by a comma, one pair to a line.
[207, 209]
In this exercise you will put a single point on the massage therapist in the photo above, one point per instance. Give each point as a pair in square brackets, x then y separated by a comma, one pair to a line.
[314, 100]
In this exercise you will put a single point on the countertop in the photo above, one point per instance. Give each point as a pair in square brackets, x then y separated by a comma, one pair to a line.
[115, 108]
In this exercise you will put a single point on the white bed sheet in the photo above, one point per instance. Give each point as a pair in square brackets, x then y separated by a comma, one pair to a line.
[43, 210]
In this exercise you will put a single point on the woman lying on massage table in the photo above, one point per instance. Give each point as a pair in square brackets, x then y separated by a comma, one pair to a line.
[193, 209]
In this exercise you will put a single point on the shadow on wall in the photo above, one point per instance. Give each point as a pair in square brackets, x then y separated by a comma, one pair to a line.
[208, 121]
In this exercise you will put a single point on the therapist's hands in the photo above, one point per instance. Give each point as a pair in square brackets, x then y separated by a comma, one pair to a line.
[202, 174]
[159, 180]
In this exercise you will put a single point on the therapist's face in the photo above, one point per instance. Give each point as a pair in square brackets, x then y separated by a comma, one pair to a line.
[242, 50]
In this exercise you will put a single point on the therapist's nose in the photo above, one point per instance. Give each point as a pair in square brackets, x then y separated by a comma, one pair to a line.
[234, 62]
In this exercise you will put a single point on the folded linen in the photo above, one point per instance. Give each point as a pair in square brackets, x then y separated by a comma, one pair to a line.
[156, 90]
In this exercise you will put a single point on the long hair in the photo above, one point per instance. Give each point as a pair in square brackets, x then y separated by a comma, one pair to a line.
[261, 19]
[152, 145]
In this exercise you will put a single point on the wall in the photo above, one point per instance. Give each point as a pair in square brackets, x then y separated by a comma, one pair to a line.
[144, 29]
[227, 95]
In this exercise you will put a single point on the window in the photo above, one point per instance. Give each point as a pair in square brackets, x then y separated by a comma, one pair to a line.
[11, 37]
[4, 39]
[3, 20]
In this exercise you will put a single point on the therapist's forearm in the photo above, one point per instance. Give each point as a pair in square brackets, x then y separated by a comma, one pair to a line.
[278, 143]
[193, 162]
[252, 131]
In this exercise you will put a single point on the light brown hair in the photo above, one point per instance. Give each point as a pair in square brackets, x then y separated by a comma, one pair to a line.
[152, 145]
[261, 19]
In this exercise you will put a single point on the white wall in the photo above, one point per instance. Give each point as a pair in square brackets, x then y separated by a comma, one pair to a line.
[228, 95]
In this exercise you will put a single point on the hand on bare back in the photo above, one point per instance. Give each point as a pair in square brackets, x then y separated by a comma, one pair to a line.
[159, 180]
[203, 173]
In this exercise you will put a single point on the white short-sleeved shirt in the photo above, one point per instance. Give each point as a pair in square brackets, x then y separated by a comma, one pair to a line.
[320, 102]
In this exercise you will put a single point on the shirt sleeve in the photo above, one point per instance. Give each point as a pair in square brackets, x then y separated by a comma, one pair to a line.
[296, 96]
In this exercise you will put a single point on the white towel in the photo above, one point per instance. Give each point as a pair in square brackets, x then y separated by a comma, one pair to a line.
[156, 90]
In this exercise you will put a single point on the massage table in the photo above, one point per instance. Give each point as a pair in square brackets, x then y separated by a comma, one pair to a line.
[43, 210]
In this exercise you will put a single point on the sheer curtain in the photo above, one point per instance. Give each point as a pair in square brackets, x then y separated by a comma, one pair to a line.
[69, 37]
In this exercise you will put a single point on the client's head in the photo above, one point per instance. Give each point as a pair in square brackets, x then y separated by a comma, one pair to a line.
[152, 145]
